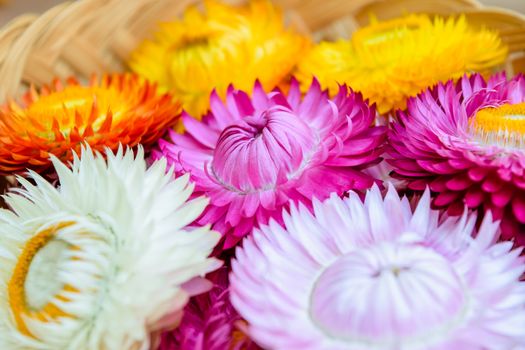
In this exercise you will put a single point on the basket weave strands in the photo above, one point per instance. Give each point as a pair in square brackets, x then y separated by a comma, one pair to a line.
[91, 36]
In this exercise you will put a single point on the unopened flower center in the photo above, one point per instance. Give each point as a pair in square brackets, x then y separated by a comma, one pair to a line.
[33, 283]
[262, 151]
[389, 294]
[256, 124]
[77, 106]
[502, 126]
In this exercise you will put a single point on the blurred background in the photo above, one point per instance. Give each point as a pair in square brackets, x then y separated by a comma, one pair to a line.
[12, 8]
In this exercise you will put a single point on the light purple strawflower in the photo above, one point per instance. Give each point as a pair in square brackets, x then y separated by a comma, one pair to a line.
[252, 156]
[466, 141]
[377, 275]
[210, 322]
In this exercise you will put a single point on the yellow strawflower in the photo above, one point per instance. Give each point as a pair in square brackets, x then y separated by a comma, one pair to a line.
[221, 46]
[392, 60]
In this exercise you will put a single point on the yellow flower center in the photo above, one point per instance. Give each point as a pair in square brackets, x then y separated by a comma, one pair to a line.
[386, 32]
[503, 125]
[79, 106]
[22, 304]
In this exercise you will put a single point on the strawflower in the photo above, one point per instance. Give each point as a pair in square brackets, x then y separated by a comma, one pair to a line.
[225, 44]
[59, 119]
[377, 275]
[210, 322]
[466, 141]
[392, 60]
[103, 261]
[252, 156]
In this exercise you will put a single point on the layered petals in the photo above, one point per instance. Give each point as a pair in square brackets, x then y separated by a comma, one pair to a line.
[379, 275]
[223, 45]
[210, 322]
[392, 60]
[252, 156]
[447, 140]
[105, 260]
[57, 120]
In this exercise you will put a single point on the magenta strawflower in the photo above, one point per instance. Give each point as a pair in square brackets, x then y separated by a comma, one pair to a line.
[210, 322]
[252, 156]
[377, 275]
[467, 142]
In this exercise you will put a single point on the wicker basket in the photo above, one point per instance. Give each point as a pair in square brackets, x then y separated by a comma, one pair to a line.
[88, 36]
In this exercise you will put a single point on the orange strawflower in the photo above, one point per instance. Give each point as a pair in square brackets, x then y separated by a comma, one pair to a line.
[115, 109]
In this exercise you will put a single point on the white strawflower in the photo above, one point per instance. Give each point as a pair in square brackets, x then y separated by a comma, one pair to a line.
[102, 261]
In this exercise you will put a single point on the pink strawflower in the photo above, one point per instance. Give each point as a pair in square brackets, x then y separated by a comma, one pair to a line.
[377, 275]
[252, 156]
[210, 322]
[467, 142]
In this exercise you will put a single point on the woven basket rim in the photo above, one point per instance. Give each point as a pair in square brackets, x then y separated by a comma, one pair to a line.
[72, 38]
